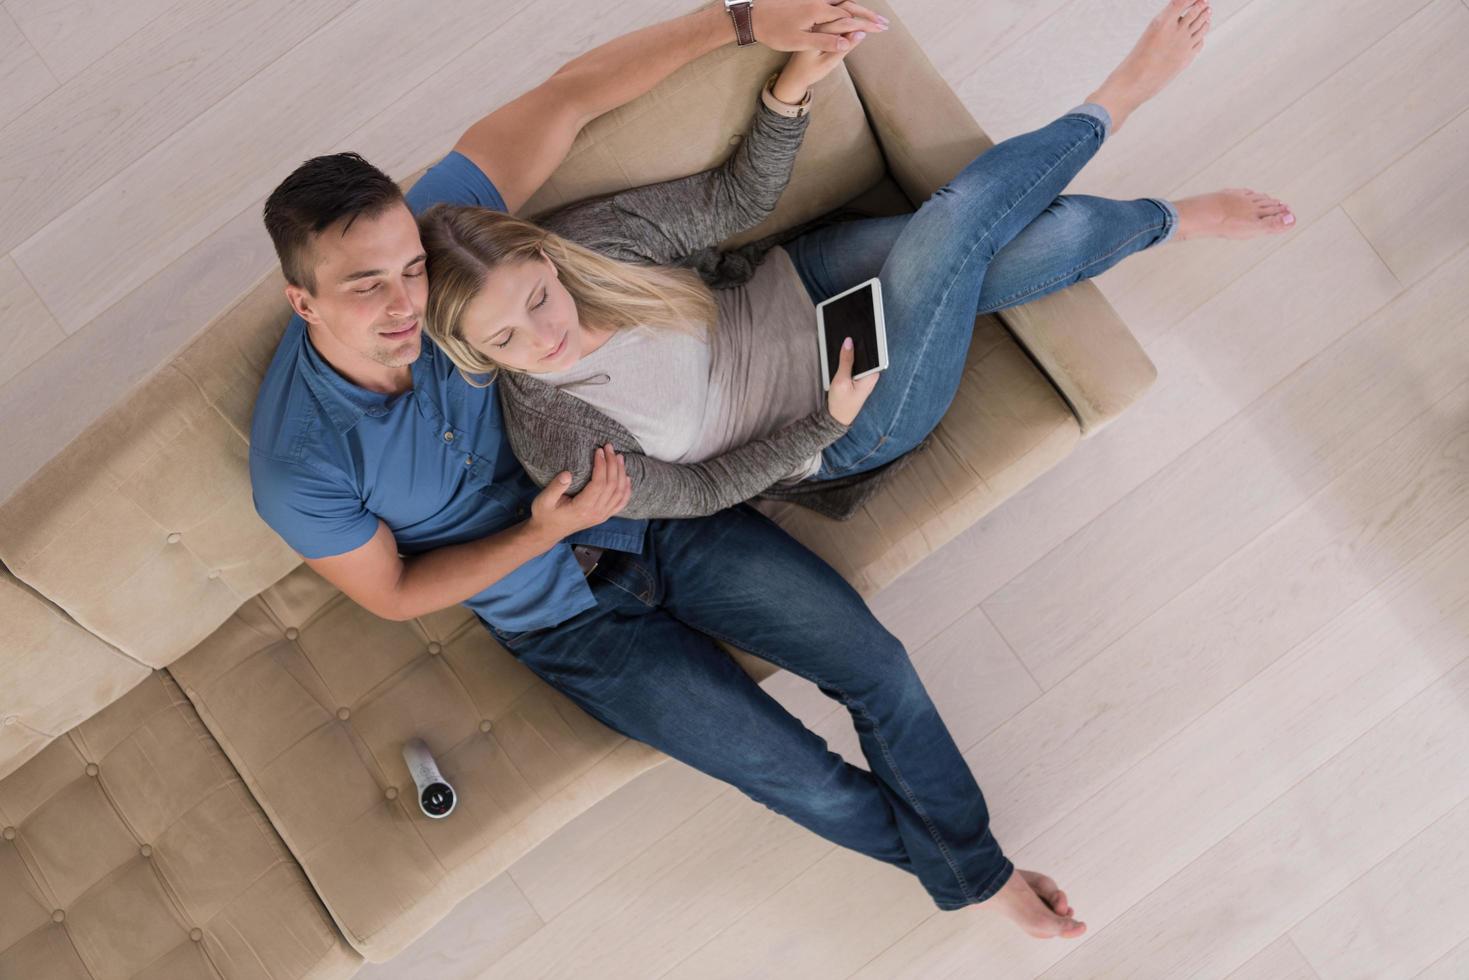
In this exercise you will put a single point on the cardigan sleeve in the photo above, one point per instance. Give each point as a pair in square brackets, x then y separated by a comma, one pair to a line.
[665, 223]
[548, 442]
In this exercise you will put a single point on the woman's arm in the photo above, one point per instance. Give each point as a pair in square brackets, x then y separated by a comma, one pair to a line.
[660, 224]
[662, 489]
[663, 223]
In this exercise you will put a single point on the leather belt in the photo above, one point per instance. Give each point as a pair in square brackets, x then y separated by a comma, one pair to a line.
[587, 557]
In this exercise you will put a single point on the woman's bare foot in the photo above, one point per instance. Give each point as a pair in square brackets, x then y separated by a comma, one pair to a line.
[1166, 48]
[1234, 213]
[1037, 905]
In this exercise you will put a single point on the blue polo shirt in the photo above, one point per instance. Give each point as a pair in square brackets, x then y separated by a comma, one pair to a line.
[328, 459]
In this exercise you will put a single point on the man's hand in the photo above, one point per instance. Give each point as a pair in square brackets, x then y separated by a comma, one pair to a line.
[812, 25]
[554, 515]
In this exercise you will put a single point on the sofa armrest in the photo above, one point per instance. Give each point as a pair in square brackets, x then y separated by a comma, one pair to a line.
[927, 136]
[1086, 350]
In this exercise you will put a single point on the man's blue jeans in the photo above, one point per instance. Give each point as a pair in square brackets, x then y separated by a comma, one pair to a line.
[998, 235]
[645, 663]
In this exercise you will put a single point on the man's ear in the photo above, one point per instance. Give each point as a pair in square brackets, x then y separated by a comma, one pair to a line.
[303, 303]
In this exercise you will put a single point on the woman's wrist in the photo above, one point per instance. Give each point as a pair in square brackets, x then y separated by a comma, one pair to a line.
[790, 89]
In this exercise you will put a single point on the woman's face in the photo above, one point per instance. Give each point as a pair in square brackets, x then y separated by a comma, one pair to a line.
[524, 319]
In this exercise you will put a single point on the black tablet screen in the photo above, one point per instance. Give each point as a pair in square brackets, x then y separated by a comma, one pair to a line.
[851, 316]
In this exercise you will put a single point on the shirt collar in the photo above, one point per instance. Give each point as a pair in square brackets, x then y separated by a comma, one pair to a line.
[346, 403]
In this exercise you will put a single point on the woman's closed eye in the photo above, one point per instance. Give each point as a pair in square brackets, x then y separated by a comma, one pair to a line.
[545, 295]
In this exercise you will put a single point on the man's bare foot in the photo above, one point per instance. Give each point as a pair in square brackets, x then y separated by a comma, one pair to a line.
[1037, 905]
[1167, 46]
[1234, 213]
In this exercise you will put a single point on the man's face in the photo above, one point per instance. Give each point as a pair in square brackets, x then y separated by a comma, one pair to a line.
[371, 288]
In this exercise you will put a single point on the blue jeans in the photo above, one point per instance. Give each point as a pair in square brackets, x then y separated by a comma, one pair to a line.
[645, 663]
[997, 235]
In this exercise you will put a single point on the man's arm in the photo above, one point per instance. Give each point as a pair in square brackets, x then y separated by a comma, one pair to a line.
[393, 587]
[521, 144]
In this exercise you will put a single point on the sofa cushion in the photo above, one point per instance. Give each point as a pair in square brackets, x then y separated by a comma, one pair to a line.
[312, 698]
[1007, 426]
[131, 849]
[53, 673]
[143, 530]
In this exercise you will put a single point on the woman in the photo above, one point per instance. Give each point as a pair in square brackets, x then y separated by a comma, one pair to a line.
[604, 345]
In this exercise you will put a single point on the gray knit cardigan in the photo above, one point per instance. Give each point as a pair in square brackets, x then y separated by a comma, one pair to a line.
[680, 222]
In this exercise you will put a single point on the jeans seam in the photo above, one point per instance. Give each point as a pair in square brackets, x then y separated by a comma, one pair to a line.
[1017, 297]
[1095, 127]
[887, 754]
[647, 581]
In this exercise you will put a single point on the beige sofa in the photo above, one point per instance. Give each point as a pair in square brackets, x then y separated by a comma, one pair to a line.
[200, 769]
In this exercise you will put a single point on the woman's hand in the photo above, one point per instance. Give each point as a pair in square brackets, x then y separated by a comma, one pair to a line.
[554, 515]
[846, 397]
[805, 68]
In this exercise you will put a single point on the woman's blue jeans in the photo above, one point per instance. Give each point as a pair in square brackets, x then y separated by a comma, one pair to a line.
[997, 235]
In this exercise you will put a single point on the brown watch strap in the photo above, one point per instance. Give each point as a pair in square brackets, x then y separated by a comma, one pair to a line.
[743, 15]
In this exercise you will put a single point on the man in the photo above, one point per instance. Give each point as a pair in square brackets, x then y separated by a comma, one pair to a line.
[392, 477]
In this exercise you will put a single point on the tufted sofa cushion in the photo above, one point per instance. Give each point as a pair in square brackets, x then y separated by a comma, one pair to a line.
[129, 848]
[53, 673]
[312, 698]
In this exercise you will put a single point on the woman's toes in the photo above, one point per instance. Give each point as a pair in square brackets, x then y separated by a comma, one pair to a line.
[1200, 25]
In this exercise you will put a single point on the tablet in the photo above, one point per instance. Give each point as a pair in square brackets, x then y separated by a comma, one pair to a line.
[855, 313]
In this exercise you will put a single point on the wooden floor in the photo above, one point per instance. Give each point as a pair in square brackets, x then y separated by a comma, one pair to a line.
[1212, 672]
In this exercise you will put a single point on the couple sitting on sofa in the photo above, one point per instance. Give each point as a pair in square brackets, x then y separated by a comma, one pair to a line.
[564, 455]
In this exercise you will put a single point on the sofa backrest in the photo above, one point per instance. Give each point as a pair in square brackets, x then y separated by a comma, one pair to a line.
[143, 529]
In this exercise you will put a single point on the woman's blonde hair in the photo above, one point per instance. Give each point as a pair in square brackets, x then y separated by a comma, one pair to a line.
[465, 243]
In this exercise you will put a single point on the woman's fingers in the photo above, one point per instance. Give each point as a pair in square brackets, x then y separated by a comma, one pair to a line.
[857, 10]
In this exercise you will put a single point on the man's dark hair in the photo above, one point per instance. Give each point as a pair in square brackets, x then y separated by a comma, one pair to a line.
[317, 194]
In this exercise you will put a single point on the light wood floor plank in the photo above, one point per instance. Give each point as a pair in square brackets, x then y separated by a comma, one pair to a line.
[825, 924]
[1259, 58]
[1150, 823]
[25, 323]
[1416, 212]
[24, 79]
[1230, 625]
[1313, 156]
[671, 898]
[1240, 336]
[71, 34]
[1182, 521]
[480, 930]
[1453, 965]
[1400, 917]
[1278, 961]
[596, 844]
[227, 154]
[1218, 913]
[134, 97]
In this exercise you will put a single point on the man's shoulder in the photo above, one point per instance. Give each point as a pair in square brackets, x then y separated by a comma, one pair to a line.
[286, 410]
[456, 179]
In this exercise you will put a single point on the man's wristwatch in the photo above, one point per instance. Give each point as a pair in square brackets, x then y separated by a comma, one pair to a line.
[743, 14]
